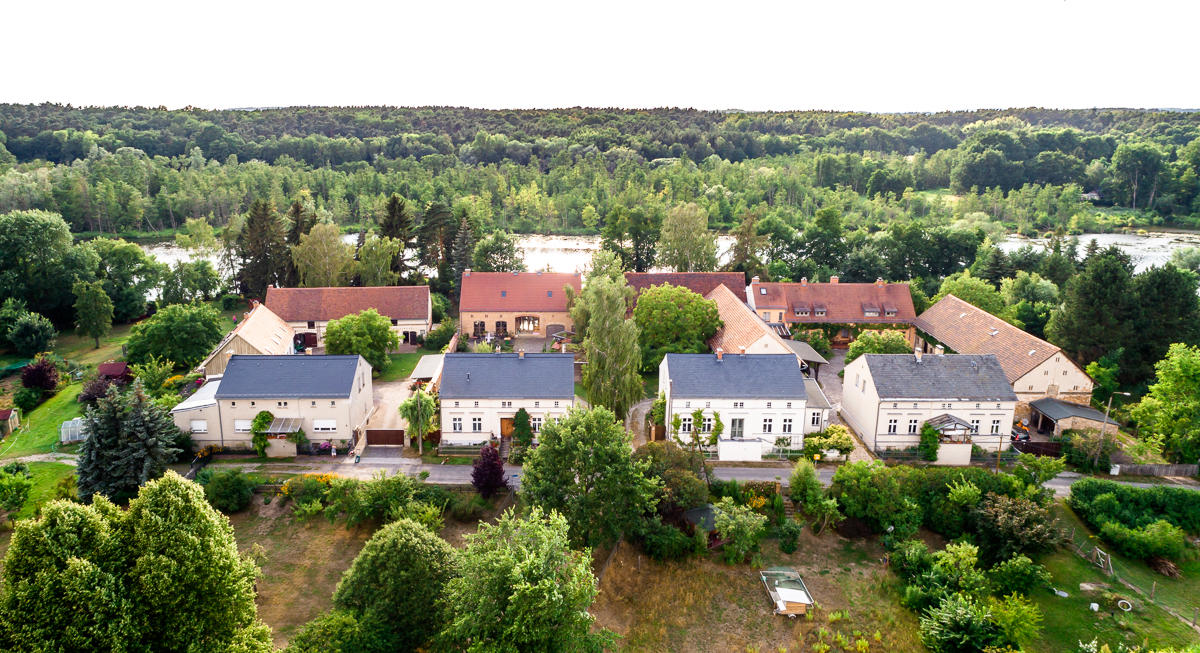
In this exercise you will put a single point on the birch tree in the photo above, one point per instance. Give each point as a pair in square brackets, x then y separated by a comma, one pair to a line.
[613, 355]
[322, 258]
[685, 243]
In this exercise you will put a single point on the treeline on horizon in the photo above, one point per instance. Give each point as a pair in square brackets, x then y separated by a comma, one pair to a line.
[565, 171]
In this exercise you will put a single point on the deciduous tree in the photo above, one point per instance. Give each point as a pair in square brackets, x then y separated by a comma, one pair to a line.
[376, 261]
[685, 243]
[322, 259]
[184, 333]
[420, 411]
[584, 469]
[521, 588]
[611, 346]
[367, 334]
[31, 334]
[498, 252]
[673, 320]
[1171, 409]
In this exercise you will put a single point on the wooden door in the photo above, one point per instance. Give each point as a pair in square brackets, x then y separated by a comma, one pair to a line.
[506, 427]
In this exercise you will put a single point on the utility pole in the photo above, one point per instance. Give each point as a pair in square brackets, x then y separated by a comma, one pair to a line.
[1104, 427]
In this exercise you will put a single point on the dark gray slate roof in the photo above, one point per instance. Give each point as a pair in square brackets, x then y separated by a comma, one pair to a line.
[296, 376]
[976, 377]
[737, 376]
[507, 376]
[816, 396]
[1057, 409]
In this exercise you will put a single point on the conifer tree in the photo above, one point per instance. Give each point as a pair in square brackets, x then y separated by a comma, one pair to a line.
[1096, 311]
[301, 222]
[397, 224]
[464, 249]
[263, 249]
[130, 441]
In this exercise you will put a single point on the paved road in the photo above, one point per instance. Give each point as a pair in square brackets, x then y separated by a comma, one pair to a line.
[461, 474]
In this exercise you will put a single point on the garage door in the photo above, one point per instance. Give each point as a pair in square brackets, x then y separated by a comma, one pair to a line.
[554, 328]
[385, 436]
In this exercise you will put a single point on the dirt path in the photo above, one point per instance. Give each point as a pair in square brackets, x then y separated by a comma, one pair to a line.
[831, 385]
[64, 458]
[635, 421]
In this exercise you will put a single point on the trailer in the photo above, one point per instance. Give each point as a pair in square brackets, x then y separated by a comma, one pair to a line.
[787, 591]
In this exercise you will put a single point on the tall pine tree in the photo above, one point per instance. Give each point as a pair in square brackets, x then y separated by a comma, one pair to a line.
[464, 249]
[1168, 312]
[1097, 306]
[130, 441]
[263, 250]
[397, 224]
[301, 221]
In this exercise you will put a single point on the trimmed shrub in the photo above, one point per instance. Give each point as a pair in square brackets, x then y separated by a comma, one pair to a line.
[1162, 539]
[229, 490]
[230, 302]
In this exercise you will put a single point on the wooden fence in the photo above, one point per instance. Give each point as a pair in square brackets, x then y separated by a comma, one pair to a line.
[1160, 470]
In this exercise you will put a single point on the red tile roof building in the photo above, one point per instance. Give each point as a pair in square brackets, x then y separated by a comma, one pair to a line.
[309, 310]
[510, 302]
[833, 303]
[700, 283]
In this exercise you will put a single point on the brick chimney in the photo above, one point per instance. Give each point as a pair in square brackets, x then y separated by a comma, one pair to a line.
[803, 282]
[833, 279]
[720, 354]
[467, 272]
[743, 348]
[917, 353]
[879, 282]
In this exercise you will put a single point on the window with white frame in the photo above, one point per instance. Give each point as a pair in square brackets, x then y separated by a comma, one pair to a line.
[456, 424]
[891, 426]
[477, 424]
[975, 426]
[816, 419]
[506, 404]
[708, 404]
[706, 425]
[252, 404]
[199, 426]
[766, 425]
[739, 404]
[313, 405]
[737, 428]
[789, 404]
[995, 426]
[912, 426]
[685, 425]
[324, 425]
[281, 404]
[535, 423]
[477, 404]
[233, 404]
[241, 426]
[333, 404]
[787, 425]
[768, 404]
[687, 404]
[556, 404]
[536, 404]
[456, 404]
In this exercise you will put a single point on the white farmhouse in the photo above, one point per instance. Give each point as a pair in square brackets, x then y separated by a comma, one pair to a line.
[887, 398]
[480, 393]
[761, 399]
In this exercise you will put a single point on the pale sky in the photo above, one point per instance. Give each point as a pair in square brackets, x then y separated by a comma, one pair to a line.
[920, 55]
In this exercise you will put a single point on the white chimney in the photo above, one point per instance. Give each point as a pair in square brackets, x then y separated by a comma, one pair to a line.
[720, 354]
[939, 350]
[917, 353]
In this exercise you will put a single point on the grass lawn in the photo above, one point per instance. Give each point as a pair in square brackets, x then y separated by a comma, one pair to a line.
[39, 430]
[580, 391]
[44, 476]
[402, 365]
[707, 605]
[650, 385]
[302, 561]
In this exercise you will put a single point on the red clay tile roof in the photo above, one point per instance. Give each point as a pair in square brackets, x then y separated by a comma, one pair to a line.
[700, 283]
[324, 304]
[741, 328]
[844, 303]
[5, 414]
[112, 369]
[516, 291]
[967, 329]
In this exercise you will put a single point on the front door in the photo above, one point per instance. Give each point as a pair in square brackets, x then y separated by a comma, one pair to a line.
[506, 427]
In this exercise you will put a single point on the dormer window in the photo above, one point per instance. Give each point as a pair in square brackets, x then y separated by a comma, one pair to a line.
[870, 309]
[890, 310]
[819, 312]
[870, 313]
[802, 311]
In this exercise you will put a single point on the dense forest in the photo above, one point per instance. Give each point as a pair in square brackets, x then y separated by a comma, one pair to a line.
[566, 171]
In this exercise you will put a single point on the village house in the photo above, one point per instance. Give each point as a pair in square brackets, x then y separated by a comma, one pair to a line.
[481, 393]
[743, 331]
[507, 303]
[887, 398]
[310, 310]
[1034, 367]
[261, 333]
[327, 397]
[762, 401]
[840, 310]
[701, 283]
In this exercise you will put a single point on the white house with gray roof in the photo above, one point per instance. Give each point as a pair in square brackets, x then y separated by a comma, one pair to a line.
[327, 397]
[763, 400]
[481, 393]
[887, 398]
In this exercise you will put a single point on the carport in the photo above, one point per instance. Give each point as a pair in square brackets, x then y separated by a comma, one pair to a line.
[1058, 416]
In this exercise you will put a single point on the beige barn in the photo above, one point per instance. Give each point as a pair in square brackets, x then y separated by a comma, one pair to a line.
[261, 333]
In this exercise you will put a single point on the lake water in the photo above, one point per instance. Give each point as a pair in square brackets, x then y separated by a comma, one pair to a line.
[570, 253]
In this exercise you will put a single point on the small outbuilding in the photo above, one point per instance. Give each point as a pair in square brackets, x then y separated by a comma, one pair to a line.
[1050, 414]
[787, 591]
[114, 372]
[10, 419]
